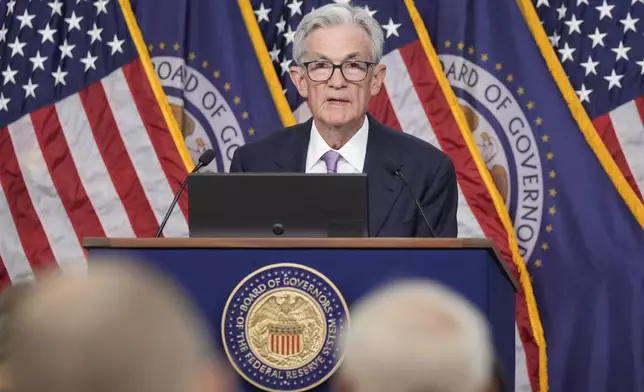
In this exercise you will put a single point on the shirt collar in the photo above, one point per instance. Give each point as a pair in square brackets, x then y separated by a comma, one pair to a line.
[354, 151]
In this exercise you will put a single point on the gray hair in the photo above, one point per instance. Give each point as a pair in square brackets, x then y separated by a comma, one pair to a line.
[417, 336]
[337, 14]
[121, 326]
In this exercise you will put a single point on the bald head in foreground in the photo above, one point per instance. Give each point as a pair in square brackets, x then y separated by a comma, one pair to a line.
[119, 327]
[417, 336]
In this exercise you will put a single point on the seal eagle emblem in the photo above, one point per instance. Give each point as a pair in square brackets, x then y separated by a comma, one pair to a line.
[281, 327]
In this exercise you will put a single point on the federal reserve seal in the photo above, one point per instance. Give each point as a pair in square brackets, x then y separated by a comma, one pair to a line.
[281, 328]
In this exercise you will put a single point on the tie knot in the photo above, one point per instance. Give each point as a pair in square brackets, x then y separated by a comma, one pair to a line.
[331, 159]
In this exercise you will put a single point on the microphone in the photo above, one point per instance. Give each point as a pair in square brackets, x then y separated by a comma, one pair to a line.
[204, 160]
[394, 169]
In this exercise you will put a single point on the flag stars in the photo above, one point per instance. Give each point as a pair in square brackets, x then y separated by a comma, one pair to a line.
[590, 66]
[561, 11]
[554, 39]
[549, 156]
[545, 246]
[116, 44]
[510, 78]
[584, 94]
[227, 86]
[566, 52]
[448, 44]
[192, 56]
[3, 33]
[216, 74]
[295, 7]
[538, 263]
[614, 80]
[545, 138]
[530, 105]
[621, 51]
[4, 102]
[30, 89]
[251, 131]
[176, 47]
[629, 23]
[289, 35]
[16, 47]
[553, 193]
[56, 7]
[498, 67]
[100, 6]
[538, 121]
[95, 33]
[237, 100]
[549, 228]
[25, 20]
[605, 10]
[262, 13]
[574, 25]
[73, 22]
[552, 210]
[641, 64]
[38, 61]
[245, 115]
[66, 50]
[520, 91]
[471, 50]
[204, 64]
[284, 65]
[162, 46]
[89, 61]
[552, 174]
[150, 48]
[460, 45]
[391, 28]
[8, 75]
[10, 7]
[597, 37]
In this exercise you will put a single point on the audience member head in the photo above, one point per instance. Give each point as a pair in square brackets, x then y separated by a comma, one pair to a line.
[416, 336]
[117, 327]
[10, 298]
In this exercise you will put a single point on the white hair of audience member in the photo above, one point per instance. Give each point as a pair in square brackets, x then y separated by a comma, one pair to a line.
[118, 327]
[338, 14]
[417, 336]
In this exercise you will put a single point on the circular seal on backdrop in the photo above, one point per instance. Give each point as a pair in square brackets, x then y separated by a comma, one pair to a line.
[506, 140]
[281, 328]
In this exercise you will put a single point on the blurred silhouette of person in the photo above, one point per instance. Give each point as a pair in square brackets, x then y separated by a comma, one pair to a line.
[416, 336]
[117, 327]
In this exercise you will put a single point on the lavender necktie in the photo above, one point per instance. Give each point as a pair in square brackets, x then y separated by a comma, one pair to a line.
[331, 159]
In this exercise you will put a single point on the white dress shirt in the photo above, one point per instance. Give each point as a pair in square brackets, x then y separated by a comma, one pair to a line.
[352, 154]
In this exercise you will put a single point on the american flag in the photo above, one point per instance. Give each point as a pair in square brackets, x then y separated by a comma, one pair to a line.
[85, 149]
[409, 101]
[601, 47]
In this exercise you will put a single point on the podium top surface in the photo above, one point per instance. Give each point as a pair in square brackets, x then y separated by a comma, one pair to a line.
[373, 243]
[304, 243]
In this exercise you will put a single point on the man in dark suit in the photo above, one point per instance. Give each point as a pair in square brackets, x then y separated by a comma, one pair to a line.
[342, 138]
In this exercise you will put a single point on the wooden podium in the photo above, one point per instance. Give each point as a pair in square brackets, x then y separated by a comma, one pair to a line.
[217, 272]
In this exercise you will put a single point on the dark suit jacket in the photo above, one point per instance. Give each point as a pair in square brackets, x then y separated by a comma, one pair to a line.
[392, 211]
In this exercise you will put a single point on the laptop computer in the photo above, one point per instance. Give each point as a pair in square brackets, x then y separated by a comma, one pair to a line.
[278, 205]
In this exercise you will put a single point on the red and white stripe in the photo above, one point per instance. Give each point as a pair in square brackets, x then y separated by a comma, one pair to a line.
[410, 101]
[88, 166]
[285, 344]
[622, 131]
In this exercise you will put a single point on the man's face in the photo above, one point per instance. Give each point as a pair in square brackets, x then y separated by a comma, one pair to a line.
[338, 101]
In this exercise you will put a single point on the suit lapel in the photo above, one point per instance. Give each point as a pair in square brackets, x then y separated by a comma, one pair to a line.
[292, 153]
[384, 187]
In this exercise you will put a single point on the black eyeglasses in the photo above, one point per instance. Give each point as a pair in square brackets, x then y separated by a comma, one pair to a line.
[352, 70]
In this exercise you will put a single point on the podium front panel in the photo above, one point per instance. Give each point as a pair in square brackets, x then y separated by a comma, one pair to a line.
[210, 275]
